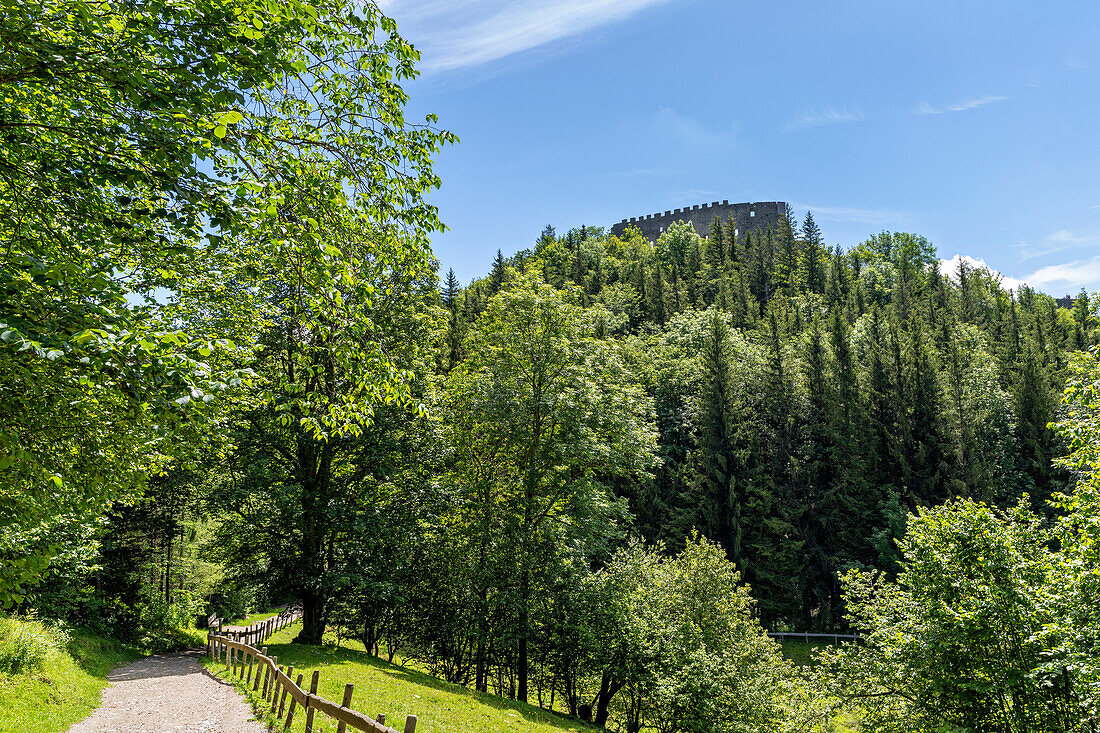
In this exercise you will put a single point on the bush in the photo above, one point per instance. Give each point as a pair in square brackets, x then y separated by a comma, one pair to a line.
[164, 627]
[958, 642]
[25, 644]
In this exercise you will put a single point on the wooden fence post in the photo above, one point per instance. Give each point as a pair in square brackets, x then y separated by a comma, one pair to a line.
[275, 688]
[282, 698]
[348, 690]
[293, 702]
[269, 668]
[381, 718]
[410, 724]
[313, 691]
[256, 683]
[251, 659]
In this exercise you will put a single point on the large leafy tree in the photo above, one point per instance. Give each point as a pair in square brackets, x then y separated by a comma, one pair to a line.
[152, 149]
[543, 414]
[962, 640]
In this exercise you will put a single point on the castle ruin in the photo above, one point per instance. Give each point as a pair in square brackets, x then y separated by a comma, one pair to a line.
[748, 216]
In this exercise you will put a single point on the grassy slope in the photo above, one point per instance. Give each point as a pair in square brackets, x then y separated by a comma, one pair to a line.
[254, 617]
[801, 652]
[396, 691]
[65, 690]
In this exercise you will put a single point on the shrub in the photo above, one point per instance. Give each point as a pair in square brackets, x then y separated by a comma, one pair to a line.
[25, 644]
[958, 642]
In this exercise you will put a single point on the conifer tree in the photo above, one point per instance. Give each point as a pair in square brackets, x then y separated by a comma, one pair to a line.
[1082, 318]
[786, 266]
[718, 487]
[1035, 405]
[450, 292]
[812, 271]
[498, 274]
[546, 238]
[716, 248]
[731, 241]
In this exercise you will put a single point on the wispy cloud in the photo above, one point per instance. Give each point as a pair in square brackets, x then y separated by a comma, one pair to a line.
[924, 108]
[670, 123]
[828, 115]
[1057, 241]
[460, 34]
[874, 217]
[833, 115]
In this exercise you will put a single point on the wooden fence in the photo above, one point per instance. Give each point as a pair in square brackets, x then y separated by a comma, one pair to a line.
[258, 631]
[801, 635]
[275, 684]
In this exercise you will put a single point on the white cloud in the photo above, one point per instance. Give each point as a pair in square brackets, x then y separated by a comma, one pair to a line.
[924, 108]
[459, 34]
[1066, 278]
[829, 115]
[832, 115]
[1069, 277]
[951, 269]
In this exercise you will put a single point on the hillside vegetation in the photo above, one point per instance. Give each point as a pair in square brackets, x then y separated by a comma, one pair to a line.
[382, 687]
[49, 679]
[591, 480]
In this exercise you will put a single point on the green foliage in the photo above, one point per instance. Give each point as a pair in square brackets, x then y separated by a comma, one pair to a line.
[143, 176]
[398, 690]
[65, 688]
[1076, 607]
[959, 642]
[25, 645]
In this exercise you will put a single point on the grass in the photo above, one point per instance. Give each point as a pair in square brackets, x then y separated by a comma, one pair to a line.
[802, 652]
[63, 688]
[254, 617]
[440, 707]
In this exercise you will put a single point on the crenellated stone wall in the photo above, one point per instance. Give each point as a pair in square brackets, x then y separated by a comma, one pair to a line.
[749, 216]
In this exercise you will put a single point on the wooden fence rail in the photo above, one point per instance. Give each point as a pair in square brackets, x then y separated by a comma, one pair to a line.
[836, 638]
[258, 631]
[275, 684]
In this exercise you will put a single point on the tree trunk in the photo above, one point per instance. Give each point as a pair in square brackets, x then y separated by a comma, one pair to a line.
[313, 622]
[314, 467]
[521, 662]
[608, 688]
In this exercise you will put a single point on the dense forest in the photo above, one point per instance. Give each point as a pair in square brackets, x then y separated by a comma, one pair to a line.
[595, 405]
[232, 375]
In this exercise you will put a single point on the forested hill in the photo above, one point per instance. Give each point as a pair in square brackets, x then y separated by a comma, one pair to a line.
[807, 397]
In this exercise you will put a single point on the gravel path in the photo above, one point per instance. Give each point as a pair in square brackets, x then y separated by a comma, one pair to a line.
[169, 693]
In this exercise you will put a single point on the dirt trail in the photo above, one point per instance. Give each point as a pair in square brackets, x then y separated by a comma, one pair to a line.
[169, 693]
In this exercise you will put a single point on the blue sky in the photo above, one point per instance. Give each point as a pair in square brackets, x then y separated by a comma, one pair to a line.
[976, 124]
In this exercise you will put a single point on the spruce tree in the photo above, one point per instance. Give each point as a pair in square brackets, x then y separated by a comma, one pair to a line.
[451, 289]
[718, 485]
[1081, 317]
[786, 265]
[716, 248]
[498, 274]
[812, 271]
[731, 241]
[1035, 406]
